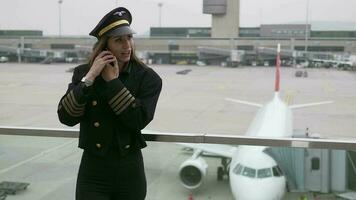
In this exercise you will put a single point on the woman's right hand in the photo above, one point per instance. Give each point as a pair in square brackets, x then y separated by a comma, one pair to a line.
[105, 57]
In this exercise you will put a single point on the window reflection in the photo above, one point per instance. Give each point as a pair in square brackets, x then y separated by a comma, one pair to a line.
[249, 172]
[264, 173]
[238, 169]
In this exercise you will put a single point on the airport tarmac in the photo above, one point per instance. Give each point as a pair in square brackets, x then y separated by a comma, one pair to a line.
[194, 102]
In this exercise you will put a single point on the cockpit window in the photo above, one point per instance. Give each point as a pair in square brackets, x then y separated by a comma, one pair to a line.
[261, 173]
[238, 169]
[277, 171]
[249, 172]
[264, 173]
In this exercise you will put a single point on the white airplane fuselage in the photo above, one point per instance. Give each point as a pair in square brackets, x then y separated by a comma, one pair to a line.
[254, 175]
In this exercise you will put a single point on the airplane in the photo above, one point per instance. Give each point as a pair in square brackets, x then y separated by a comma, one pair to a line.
[253, 173]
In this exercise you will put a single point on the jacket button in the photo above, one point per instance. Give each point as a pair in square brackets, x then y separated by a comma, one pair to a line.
[127, 146]
[98, 145]
[96, 124]
[94, 103]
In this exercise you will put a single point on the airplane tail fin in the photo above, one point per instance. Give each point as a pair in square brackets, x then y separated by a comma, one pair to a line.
[278, 68]
[276, 86]
[277, 83]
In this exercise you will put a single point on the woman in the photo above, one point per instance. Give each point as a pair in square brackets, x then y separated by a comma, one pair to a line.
[113, 97]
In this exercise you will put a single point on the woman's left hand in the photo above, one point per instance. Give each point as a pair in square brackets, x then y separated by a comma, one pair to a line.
[110, 71]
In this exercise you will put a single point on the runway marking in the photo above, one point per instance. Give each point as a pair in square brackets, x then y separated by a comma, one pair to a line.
[289, 97]
[328, 88]
[220, 87]
[34, 157]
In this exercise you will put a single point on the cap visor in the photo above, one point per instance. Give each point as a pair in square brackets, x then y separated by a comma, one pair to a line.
[123, 30]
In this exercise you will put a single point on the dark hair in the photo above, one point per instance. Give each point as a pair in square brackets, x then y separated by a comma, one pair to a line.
[101, 44]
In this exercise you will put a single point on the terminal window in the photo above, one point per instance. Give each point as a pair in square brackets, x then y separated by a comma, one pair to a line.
[315, 163]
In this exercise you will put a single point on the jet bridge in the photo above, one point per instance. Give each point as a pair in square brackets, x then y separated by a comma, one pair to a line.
[316, 170]
[218, 56]
[351, 168]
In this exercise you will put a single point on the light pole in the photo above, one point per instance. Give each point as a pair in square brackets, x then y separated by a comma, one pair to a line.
[306, 27]
[160, 4]
[60, 16]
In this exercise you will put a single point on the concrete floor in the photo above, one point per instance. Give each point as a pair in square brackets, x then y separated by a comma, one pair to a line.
[194, 102]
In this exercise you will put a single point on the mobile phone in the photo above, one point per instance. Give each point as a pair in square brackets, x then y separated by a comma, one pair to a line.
[112, 63]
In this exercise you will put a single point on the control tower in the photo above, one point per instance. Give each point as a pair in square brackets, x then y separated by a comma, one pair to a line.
[225, 17]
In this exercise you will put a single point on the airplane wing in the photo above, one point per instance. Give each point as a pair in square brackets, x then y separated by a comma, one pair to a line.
[249, 103]
[309, 104]
[217, 149]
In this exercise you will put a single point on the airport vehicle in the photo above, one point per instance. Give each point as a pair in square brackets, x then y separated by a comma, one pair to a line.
[253, 174]
[4, 59]
[301, 73]
[45, 56]
[332, 63]
[7, 187]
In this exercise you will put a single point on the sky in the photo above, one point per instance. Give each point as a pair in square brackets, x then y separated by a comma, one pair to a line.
[79, 17]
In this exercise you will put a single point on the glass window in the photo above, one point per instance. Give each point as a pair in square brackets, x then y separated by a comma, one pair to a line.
[315, 163]
[277, 171]
[249, 172]
[264, 173]
[238, 169]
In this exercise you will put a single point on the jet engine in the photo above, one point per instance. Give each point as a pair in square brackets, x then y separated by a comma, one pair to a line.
[192, 172]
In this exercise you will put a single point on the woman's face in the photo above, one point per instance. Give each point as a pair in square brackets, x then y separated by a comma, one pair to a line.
[121, 47]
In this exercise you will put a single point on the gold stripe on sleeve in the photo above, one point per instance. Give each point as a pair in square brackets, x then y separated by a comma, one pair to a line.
[74, 111]
[66, 107]
[76, 104]
[118, 106]
[70, 103]
[117, 96]
[120, 99]
[125, 106]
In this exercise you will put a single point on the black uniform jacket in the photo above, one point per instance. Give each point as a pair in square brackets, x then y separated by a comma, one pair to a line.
[111, 114]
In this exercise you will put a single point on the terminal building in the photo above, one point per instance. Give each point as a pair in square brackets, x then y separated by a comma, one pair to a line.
[182, 45]
[225, 41]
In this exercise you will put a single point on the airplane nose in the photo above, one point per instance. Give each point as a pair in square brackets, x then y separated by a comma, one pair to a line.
[244, 188]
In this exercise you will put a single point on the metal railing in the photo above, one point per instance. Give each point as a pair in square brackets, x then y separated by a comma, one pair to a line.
[195, 138]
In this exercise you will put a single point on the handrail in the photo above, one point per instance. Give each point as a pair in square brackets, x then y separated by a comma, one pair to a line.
[195, 138]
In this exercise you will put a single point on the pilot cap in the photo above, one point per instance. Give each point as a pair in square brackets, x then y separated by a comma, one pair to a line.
[115, 23]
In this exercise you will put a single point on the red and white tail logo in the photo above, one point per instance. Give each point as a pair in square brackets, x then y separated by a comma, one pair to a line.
[278, 66]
